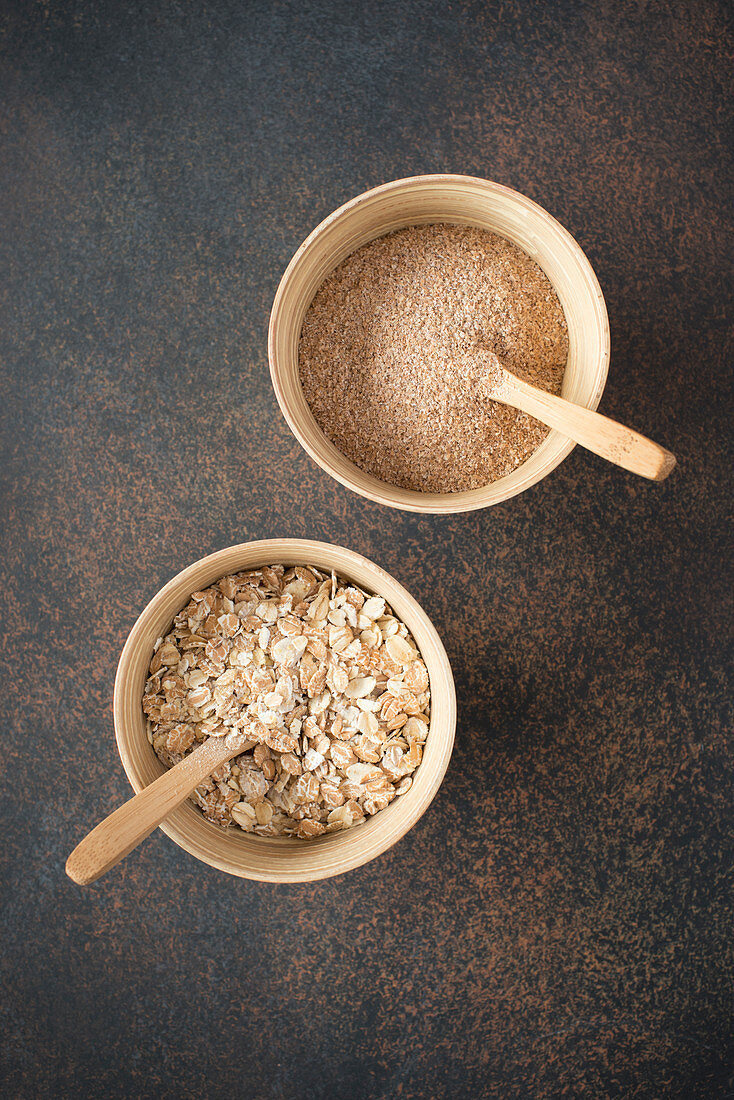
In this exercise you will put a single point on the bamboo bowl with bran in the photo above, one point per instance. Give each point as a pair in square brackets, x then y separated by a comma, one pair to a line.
[433, 200]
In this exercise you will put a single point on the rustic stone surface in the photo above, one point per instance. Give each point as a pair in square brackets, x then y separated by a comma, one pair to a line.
[559, 923]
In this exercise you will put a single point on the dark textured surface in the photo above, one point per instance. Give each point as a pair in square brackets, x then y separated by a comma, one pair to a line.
[559, 922]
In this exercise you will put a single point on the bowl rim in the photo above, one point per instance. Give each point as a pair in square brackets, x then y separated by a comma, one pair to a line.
[274, 550]
[411, 500]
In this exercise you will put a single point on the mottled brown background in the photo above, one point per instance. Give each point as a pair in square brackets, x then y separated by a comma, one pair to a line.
[559, 922]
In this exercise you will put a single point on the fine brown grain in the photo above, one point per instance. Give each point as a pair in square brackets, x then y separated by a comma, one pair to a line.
[390, 355]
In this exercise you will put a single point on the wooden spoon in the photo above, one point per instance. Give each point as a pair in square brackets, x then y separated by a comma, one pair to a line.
[124, 829]
[597, 433]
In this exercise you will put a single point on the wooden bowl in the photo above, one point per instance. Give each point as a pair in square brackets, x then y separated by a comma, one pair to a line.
[272, 859]
[462, 200]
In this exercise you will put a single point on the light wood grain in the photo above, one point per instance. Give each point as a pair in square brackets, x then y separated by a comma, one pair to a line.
[136, 819]
[283, 859]
[615, 442]
[462, 200]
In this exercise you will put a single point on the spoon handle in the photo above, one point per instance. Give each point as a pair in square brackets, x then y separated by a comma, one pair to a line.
[123, 830]
[618, 444]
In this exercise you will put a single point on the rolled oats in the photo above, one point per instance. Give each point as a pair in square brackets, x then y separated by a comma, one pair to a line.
[321, 684]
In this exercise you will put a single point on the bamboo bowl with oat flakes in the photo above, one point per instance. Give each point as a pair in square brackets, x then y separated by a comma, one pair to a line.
[278, 859]
[459, 200]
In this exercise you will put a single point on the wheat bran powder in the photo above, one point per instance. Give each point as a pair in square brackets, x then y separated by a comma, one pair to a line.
[390, 355]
